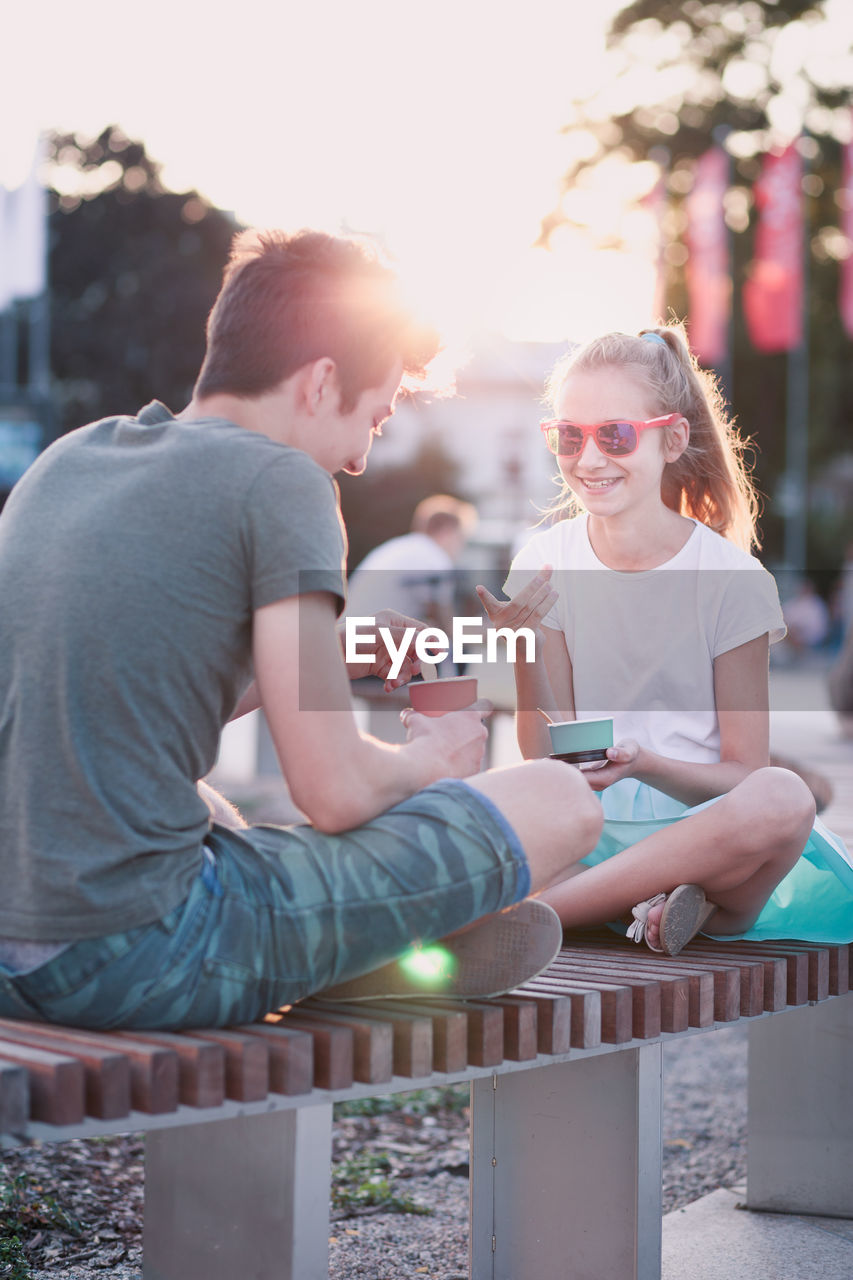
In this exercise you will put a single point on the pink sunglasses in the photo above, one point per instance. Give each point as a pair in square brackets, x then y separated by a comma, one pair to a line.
[617, 439]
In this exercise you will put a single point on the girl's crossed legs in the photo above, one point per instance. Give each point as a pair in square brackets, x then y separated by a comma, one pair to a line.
[738, 849]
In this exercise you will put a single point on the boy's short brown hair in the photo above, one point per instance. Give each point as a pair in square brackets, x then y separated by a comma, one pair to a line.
[289, 299]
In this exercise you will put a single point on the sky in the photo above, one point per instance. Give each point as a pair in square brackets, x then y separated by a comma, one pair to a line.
[435, 126]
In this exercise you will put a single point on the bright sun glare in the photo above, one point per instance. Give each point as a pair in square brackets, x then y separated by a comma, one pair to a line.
[439, 134]
[428, 965]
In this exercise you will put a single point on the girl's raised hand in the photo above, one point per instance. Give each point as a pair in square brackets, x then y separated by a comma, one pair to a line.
[527, 607]
[621, 762]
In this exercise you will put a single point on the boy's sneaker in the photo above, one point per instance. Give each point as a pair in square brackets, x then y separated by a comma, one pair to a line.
[489, 957]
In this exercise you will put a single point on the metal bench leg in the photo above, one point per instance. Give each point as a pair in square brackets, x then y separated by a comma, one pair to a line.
[241, 1197]
[800, 1118]
[566, 1170]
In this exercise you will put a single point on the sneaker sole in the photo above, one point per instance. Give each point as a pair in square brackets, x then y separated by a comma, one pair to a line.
[487, 958]
[685, 911]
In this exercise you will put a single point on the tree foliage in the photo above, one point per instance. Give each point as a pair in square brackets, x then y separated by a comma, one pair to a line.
[749, 76]
[686, 74]
[134, 269]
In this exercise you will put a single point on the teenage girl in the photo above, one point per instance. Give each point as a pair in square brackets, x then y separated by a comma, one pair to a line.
[650, 608]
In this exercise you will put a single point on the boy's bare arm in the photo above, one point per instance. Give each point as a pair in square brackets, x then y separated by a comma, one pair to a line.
[397, 623]
[338, 776]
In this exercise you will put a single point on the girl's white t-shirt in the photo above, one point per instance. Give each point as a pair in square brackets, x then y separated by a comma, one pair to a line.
[643, 644]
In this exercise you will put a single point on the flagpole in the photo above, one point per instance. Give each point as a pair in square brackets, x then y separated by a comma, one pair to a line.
[796, 486]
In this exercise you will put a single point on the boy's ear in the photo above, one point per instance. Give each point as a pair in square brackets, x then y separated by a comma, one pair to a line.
[320, 385]
[676, 439]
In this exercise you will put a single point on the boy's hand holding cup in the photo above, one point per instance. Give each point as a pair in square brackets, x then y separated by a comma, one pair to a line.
[462, 743]
[437, 697]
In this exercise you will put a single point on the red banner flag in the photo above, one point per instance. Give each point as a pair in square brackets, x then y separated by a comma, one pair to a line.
[846, 293]
[708, 271]
[773, 292]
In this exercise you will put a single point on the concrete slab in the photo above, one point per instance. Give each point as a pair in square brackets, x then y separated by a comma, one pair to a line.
[714, 1239]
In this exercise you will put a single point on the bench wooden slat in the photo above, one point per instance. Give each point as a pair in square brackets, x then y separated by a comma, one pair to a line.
[673, 1012]
[413, 1046]
[14, 1098]
[333, 1050]
[616, 1002]
[646, 993]
[485, 1030]
[201, 1064]
[797, 963]
[750, 972]
[565, 1020]
[291, 1056]
[727, 983]
[57, 1083]
[700, 982]
[839, 971]
[775, 972]
[520, 1029]
[818, 970]
[247, 1063]
[449, 1034]
[837, 967]
[153, 1071]
[106, 1072]
[373, 1041]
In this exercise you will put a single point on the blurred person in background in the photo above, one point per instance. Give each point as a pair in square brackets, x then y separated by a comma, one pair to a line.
[807, 618]
[415, 573]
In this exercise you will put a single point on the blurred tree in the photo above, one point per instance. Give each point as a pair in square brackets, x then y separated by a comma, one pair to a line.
[683, 71]
[134, 270]
[379, 504]
[685, 75]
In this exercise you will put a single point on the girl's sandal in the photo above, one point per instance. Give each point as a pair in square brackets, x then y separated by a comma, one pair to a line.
[685, 911]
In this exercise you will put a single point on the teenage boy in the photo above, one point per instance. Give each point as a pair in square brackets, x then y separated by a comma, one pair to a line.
[160, 574]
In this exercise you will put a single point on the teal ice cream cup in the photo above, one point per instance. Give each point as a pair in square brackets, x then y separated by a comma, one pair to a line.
[581, 741]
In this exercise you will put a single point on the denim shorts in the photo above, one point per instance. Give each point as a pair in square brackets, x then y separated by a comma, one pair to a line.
[277, 913]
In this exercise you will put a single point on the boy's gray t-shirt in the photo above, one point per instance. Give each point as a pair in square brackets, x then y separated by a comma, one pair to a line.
[132, 556]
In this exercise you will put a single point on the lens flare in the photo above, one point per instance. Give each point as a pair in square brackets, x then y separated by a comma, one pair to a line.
[428, 965]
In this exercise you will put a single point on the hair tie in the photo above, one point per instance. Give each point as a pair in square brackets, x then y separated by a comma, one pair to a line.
[654, 337]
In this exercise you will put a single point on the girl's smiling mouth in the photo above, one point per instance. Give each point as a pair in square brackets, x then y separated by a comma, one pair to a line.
[599, 485]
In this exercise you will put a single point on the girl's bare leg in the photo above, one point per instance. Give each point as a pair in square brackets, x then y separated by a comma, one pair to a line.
[737, 849]
[552, 810]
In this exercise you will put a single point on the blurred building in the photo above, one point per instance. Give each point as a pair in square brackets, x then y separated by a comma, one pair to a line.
[490, 428]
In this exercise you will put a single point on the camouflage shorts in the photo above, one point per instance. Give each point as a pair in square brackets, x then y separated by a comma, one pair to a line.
[279, 912]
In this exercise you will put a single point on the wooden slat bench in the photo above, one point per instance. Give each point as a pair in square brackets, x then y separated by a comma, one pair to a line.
[565, 1076]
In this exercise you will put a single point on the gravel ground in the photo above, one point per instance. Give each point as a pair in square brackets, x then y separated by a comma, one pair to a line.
[420, 1148]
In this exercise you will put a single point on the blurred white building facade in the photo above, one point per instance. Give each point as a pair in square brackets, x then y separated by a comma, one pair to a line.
[490, 428]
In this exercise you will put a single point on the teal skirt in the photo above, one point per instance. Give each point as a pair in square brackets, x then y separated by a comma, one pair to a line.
[814, 903]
